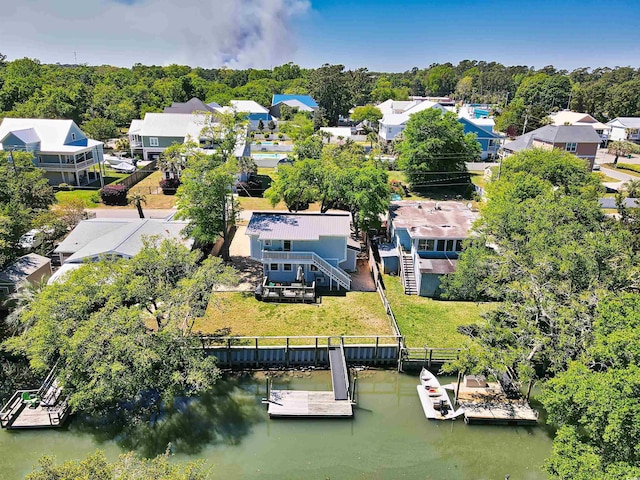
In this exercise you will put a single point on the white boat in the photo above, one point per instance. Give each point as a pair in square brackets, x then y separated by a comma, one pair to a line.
[434, 398]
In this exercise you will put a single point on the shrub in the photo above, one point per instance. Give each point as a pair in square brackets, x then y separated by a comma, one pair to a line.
[280, 136]
[266, 136]
[114, 194]
[65, 187]
[169, 185]
[276, 143]
[94, 198]
[258, 142]
[629, 166]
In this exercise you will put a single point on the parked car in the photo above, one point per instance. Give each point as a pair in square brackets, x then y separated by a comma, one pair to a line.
[30, 240]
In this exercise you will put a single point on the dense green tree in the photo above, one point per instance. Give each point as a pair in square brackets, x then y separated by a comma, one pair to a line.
[128, 466]
[94, 325]
[329, 87]
[440, 80]
[299, 128]
[205, 198]
[100, 129]
[543, 248]
[595, 402]
[369, 113]
[433, 142]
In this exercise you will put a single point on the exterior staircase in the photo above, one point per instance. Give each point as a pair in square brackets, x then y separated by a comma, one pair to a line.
[408, 275]
[339, 276]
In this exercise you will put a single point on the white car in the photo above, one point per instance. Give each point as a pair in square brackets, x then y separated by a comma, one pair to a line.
[30, 240]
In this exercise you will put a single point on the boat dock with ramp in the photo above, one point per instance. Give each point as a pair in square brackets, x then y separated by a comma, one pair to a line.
[317, 404]
[487, 403]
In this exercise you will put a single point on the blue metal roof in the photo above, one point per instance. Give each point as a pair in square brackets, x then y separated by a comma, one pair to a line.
[306, 99]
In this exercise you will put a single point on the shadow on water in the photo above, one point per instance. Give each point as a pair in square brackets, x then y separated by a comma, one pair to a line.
[223, 415]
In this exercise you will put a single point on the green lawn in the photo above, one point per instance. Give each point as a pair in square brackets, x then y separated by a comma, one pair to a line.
[87, 196]
[357, 313]
[428, 322]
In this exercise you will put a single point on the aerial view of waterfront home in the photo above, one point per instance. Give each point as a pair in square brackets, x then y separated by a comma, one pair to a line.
[426, 239]
[294, 239]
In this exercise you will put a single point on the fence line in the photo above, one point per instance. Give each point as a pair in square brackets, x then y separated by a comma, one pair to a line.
[138, 175]
[377, 278]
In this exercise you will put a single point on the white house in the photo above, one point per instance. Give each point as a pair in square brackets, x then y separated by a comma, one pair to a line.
[567, 117]
[625, 128]
[395, 120]
[58, 147]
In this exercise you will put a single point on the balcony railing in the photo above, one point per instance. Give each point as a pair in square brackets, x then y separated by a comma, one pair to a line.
[66, 167]
[339, 275]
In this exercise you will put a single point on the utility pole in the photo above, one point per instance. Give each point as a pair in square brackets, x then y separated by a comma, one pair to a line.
[526, 119]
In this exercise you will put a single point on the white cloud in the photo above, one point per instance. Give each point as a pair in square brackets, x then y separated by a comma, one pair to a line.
[208, 33]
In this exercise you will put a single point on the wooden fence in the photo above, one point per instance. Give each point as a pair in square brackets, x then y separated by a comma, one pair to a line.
[377, 278]
[300, 351]
[138, 175]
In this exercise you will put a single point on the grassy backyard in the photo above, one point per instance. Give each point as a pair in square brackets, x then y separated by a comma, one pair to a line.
[357, 313]
[425, 321]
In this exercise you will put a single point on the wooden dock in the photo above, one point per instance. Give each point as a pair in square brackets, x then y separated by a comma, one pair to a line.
[47, 408]
[313, 404]
[490, 405]
[307, 404]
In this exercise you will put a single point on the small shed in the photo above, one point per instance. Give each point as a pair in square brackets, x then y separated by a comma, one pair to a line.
[31, 267]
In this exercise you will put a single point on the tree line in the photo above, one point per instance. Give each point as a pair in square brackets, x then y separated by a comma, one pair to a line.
[84, 93]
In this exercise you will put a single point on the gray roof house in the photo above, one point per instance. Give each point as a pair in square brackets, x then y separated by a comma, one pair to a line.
[195, 105]
[316, 244]
[31, 267]
[581, 140]
[122, 237]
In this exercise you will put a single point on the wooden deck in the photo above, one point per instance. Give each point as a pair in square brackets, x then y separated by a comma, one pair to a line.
[299, 403]
[490, 405]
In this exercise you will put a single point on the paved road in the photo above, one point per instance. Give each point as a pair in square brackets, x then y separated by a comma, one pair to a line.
[131, 212]
[618, 174]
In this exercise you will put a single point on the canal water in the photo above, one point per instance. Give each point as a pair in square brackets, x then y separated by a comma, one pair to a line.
[388, 438]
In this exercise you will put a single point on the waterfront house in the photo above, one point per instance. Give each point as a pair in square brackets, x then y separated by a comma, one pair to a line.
[625, 128]
[28, 268]
[316, 245]
[426, 239]
[581, 140]
[58, 147]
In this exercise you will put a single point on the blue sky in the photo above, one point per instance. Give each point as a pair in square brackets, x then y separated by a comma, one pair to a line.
[395, 36]
[381, 35]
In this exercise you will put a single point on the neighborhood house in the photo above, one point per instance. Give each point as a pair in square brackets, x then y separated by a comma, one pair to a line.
[94, 239]
[426, 239]
[58, 147]
[315, 246]
[581, 140]
[28, 268]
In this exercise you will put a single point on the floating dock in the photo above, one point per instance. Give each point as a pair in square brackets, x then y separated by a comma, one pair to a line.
[316, 404]
[490, 405]
[305, 404]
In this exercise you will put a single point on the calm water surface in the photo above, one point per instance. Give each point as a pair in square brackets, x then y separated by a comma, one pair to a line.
[389, 437]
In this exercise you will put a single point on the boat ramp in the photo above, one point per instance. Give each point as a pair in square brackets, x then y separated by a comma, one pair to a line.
[316, 404]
